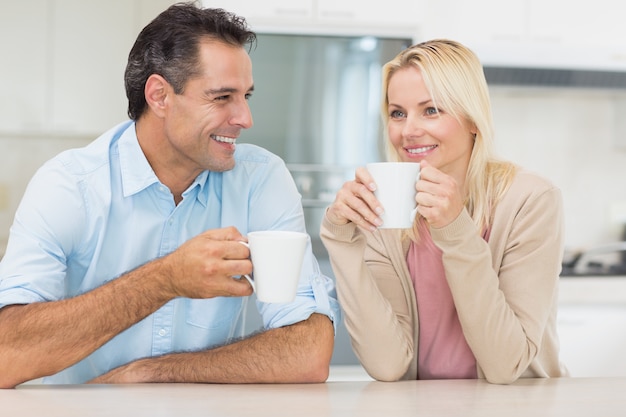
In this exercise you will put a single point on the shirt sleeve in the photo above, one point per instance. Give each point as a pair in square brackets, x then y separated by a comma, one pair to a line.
[275, 204]
[46, 225]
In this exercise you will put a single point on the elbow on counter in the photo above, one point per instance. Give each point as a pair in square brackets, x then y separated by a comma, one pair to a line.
[501, 379]
[14, 372]
[501, 376]
[317, 374]
[386, 373]
[8, 380]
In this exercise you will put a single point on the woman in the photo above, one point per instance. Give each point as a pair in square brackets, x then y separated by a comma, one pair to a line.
[471, 290]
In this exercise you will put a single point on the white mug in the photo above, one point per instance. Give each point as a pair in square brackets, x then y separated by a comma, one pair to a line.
[276, 257]
[395, 189]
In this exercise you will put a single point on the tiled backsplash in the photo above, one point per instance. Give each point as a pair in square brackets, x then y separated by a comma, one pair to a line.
[576, 138]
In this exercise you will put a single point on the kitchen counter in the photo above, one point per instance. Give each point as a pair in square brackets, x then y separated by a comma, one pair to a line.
[569, 397]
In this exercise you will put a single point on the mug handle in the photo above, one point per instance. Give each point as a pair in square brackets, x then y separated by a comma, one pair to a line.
[414, 211]
[247, 276]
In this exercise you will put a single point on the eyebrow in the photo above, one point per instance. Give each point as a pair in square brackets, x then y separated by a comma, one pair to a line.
[421, 103]
[224, 90]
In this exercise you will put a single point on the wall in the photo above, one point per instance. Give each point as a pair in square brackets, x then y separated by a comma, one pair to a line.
[20, 156]
[575, 138]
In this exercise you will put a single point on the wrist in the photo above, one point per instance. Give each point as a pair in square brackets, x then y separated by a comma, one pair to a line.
[335, 220]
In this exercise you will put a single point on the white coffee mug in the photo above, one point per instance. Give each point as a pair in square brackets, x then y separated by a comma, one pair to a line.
[276, 257]
[395, 189]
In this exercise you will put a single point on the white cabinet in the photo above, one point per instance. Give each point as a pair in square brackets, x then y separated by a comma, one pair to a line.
[592, 325]
[593, 339]
[389, 13]
[90, 41]
[63, 63]
[268, 9]
[474, 22]
[598, 23]
[535, 33]
[327, 16]
[23, 31]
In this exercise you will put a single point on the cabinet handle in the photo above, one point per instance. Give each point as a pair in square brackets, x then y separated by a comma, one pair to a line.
[291, 12]
[339, 14]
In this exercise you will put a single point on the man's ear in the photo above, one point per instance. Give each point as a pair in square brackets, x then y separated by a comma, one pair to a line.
[156, 91]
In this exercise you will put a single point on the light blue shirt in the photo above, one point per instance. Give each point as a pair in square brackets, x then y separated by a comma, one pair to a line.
[92, 214]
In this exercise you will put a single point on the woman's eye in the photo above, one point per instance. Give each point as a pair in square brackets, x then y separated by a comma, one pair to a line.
[396, 114]
[431, 111]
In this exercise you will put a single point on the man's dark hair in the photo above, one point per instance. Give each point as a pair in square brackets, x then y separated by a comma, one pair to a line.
[169, 46]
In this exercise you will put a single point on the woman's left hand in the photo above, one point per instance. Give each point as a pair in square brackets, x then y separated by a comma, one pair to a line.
[439, 197]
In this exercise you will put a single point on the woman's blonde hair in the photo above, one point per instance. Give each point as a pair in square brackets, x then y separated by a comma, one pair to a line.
[456, 81]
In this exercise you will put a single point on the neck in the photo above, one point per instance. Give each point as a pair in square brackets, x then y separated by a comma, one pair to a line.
[158, 151]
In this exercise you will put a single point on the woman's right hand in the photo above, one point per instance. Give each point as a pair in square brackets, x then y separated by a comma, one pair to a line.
[355, 202]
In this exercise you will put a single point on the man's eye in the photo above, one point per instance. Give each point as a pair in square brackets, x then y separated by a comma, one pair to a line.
[248, 96]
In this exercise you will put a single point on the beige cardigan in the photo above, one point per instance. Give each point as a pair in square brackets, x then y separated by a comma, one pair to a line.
[505, 290]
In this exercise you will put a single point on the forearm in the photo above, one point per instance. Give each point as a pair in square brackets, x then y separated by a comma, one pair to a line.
[504, 306]
[381, 336]
[377, 314]
[298, 353]
[44, 338]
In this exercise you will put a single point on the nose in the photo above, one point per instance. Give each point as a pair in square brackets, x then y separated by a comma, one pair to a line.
[413, 126]
[242, 116]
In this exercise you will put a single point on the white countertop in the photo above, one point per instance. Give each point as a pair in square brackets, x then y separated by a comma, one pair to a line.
[570, 397]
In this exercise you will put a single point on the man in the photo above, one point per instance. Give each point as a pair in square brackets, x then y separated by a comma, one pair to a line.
[123, 258]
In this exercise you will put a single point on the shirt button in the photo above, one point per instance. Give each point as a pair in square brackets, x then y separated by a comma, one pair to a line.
[162, 332]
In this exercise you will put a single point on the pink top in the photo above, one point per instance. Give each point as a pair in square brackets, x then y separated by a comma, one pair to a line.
[443, 352]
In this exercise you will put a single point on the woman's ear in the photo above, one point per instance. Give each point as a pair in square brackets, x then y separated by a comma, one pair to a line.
[156, 92]
[473, 130]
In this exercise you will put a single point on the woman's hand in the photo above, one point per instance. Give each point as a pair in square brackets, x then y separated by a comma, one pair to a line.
[355, 202]
[439, 197]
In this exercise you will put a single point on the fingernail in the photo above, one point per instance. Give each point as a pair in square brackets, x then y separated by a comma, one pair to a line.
[372, 186]
[379, 210]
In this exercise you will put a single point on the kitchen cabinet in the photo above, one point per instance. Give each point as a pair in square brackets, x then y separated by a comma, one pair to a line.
[388, 14]
[65, 61]
[475, 22]
[592, 325]
[533, 33]
[90, 41]
[399, 17]
[530, 21]
[598, 23]
[276, 10]
[23, 70]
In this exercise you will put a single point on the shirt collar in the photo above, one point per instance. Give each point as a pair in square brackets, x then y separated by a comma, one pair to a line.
[200, 183]
[137, 174]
